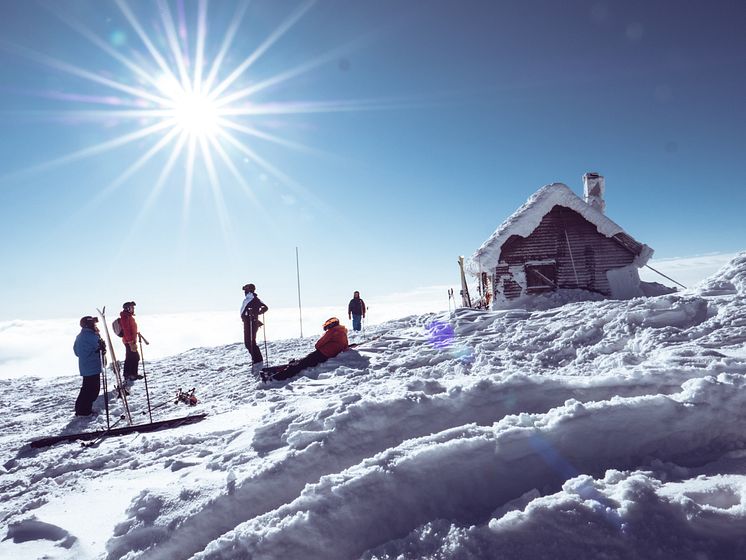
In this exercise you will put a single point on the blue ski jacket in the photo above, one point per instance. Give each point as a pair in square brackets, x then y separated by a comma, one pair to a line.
[86, 348]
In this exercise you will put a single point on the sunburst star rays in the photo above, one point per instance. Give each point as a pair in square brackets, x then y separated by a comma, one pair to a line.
[174, 96]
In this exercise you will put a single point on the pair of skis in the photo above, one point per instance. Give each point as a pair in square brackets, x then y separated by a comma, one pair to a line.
[120, 387]
[99, 435]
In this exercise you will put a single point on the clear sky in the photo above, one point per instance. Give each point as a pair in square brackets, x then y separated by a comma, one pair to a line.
[383, 139]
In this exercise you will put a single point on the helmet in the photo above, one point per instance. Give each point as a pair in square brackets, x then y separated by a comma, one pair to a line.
[127, 304]
[249, 288]
[88, 322]
[329, 323]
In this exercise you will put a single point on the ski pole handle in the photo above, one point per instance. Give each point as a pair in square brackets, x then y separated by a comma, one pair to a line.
[143, 339]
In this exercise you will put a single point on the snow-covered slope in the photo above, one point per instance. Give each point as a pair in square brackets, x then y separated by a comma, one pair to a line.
[612, 429]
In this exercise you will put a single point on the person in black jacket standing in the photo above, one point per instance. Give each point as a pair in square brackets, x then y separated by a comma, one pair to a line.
[356, 311]
[251, 308]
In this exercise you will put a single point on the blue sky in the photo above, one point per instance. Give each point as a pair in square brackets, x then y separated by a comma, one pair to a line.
[391, 137]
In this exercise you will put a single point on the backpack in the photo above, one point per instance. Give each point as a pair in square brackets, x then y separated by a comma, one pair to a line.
[116, 326]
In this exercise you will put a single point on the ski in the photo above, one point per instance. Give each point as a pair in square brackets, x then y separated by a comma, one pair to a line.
[120, 388]
[267, 373]
[466, 299]
[100, 434]
[274, 369]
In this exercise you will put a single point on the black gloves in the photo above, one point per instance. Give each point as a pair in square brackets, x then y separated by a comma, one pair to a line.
[101, 346]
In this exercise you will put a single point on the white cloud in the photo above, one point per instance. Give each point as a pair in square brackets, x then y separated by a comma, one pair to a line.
[687, 270]
[43, 348]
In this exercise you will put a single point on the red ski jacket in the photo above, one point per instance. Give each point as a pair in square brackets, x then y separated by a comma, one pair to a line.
[129, 327]
[333, 341]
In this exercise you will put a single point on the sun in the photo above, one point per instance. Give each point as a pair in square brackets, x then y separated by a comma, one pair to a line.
[180, 94]
[196, 114]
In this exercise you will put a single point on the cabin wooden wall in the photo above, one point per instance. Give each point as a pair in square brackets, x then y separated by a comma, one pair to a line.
[565, 237]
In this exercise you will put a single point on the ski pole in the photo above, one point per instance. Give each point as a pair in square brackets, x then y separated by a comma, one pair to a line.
[145, 375]
[264, 332]
[106, 388]
[100, 438]
[252, 339]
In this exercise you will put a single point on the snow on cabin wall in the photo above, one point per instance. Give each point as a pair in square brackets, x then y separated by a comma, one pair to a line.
[624, 282]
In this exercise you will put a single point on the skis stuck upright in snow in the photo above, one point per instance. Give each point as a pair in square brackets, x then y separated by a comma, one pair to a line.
[120, 387]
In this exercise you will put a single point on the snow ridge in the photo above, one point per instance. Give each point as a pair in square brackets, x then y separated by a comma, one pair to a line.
[616, 427]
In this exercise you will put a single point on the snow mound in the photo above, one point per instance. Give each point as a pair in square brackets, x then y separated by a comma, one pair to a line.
[584, 429]
[729, 280]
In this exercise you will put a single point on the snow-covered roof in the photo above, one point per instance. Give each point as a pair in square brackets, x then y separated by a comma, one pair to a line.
[528, 217]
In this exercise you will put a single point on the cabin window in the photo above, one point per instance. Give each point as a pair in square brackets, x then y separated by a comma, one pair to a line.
[541, 277]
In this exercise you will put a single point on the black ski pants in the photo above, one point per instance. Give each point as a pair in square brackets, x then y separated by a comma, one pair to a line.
[131, 362]
[313, 359]
[89, 392]
[250, 326]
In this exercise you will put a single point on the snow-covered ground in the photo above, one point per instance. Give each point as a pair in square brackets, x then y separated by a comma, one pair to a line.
[605, 429]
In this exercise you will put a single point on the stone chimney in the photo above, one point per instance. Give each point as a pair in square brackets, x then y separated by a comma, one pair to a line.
[593, 189]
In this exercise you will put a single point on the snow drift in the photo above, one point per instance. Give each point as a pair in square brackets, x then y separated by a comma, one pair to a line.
[590, 429]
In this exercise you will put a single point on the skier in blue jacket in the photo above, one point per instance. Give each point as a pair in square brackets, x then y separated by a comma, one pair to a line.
[89, 348]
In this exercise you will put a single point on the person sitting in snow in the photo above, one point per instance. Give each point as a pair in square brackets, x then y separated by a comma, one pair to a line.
[251, 308]
[90, 349]
[333, 341]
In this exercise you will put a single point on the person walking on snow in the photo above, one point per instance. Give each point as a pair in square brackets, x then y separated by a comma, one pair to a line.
[356, 311]
[129, 337]
[333, 341]
[251, 308]
[89, 348]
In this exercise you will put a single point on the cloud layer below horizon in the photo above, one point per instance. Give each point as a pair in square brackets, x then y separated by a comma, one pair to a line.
[43, 348]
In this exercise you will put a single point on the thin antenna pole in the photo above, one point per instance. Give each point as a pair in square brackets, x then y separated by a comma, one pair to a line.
[667, 277]
[300, 312]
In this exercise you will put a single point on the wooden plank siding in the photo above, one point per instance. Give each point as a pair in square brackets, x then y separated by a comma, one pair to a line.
[581, 253]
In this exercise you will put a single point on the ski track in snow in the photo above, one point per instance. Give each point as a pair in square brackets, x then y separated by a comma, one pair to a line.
[557, 430]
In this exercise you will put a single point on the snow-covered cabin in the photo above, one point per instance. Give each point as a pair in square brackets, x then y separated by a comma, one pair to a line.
[558, 240]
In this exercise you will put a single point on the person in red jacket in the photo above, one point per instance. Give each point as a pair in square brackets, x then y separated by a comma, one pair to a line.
[329, 345]
[129, 337]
